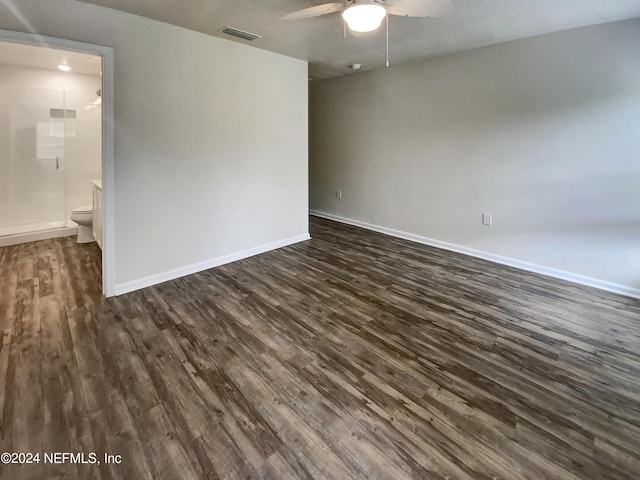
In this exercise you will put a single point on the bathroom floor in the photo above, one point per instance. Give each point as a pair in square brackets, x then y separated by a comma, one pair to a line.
[351, 356]
[57, 273]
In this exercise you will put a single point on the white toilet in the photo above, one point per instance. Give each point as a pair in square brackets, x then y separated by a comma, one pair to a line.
[83, 216]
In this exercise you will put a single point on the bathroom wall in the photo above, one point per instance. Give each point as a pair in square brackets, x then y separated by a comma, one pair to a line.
[211, 149]
[543, 133]
[30, 188]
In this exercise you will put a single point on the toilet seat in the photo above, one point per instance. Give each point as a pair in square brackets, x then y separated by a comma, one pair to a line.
[85, 209]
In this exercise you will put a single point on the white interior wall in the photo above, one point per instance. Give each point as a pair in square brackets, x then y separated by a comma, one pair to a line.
[543, 133]
[83, 153]
[32, 189]
[210, 139]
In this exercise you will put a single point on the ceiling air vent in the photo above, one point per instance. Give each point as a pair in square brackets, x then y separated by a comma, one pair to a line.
[240, 34]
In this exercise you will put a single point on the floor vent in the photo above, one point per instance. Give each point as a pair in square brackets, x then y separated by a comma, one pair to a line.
[240, 34]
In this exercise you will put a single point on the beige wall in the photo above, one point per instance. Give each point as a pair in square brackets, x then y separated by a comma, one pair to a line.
[205, 130]
[543, 133]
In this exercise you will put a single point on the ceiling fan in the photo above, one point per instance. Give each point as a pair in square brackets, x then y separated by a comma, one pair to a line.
[367, 15]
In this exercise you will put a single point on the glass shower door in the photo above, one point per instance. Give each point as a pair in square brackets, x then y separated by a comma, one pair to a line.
[32, 151]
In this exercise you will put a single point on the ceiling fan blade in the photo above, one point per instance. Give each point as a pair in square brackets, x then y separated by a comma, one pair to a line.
[419, 8]
[316, 11]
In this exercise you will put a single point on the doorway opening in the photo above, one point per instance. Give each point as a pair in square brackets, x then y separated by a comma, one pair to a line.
[56, 154]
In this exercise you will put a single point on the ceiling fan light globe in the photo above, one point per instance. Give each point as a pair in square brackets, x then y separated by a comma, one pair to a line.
[364, 17]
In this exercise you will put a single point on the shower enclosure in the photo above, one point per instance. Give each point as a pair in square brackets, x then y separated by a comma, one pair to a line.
[37, 135]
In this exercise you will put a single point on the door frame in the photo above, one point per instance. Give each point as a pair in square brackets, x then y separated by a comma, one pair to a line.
[106, 53]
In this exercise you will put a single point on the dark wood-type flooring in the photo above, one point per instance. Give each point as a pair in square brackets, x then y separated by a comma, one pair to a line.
[351, 356]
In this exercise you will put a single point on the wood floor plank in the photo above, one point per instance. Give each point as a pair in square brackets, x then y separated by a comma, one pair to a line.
[354, 355]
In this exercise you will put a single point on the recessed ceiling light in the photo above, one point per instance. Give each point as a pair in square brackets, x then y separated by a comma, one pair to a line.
[64, 68]
[356, 66]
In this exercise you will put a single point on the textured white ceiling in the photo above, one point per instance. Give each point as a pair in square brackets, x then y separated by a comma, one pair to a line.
[474, 23]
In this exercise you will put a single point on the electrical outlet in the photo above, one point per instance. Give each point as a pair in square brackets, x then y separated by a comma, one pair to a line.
[236, 219]
[339, 194]
[487, 219]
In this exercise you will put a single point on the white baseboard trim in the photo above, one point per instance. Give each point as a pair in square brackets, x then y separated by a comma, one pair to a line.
[511, 262]
[18, 238]
[133, 285]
